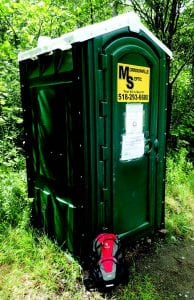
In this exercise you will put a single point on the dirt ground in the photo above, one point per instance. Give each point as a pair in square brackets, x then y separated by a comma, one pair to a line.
[169, 265]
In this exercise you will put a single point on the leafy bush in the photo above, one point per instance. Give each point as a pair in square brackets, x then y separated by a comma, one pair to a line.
[179, 195]
[182, 120]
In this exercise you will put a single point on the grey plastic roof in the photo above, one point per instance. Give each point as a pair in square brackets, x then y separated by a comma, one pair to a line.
[130, 19]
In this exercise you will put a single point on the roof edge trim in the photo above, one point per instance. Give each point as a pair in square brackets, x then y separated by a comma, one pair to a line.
[130, 19]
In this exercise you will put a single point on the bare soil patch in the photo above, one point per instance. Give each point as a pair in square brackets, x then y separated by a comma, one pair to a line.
[170, 266]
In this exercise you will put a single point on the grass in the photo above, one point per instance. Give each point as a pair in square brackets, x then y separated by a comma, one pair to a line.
[33, 267]
[140, 287]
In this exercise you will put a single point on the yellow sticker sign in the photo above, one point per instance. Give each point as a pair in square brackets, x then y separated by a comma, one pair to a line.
[133, 83]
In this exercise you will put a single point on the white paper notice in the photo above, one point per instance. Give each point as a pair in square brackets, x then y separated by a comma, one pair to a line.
[132, 146]
[134, 118]
[133, 139]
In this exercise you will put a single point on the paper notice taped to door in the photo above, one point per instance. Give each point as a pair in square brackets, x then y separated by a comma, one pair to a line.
[132, 146]
[134, 118]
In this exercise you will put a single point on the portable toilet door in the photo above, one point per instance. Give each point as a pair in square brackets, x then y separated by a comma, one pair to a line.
[133, 81]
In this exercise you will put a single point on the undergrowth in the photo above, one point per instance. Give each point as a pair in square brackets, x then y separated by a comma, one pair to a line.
[180, 196]
[14, 204]
[33, 267]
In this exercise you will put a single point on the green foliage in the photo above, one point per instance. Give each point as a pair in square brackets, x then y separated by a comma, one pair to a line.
[182, 80]
[182, 125]
[14, 204]
[179, 199]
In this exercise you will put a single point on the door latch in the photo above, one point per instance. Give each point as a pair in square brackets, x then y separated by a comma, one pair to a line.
[148, 146]
[156, 145]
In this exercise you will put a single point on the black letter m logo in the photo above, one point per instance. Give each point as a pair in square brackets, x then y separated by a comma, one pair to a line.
[123, 72]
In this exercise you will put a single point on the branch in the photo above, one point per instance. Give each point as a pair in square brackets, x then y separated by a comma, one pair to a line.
[40, 28]
[91, 12]
[180, 69]
[144, 13]
[41, 22]
[174, 15]
[166, 13]
[177, 17]
[12, 28]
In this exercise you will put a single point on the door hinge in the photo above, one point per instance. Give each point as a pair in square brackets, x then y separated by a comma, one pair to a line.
[105, 194]
[101, 130]
[103, 108]
[103, 61]
[103, 153]
[101, 173]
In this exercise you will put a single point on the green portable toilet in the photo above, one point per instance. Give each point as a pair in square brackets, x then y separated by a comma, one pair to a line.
[95, 106]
